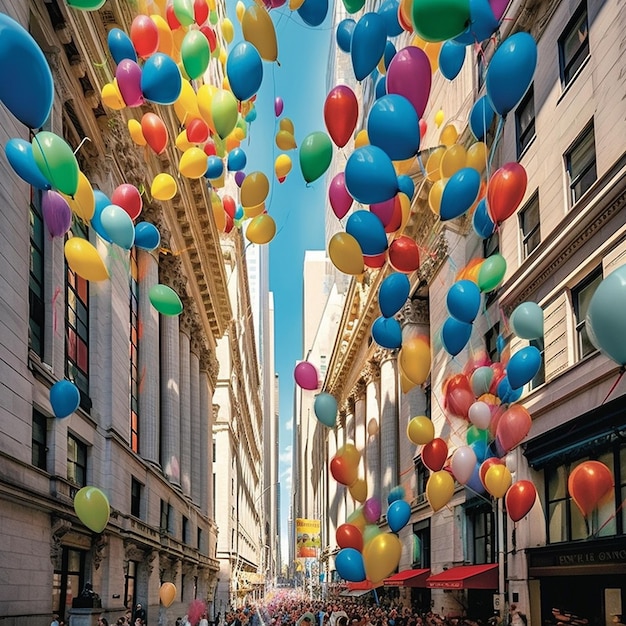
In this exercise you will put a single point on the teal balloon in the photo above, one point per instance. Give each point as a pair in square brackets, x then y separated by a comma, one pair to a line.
[398, 515]
[26, 85]
[64, 398]
[527, 321]
[325, 409]
[481, 380]
[244, 69]
[102, 201]
[481, 117]
[370, 176]
[455, 335]
[483, 23]
[393, 126]
[481, 221]
[344, 32]
[147, 236]
[118, 225]
[397, 493]
[460, 193]
[438, 20]
[165, 300]
[389, 11]
[368, 44]
[491, 273]
[406, 185]
[161, 81]
[315, 155]
[195, 54]
[507, 393]
[120, 46]
[523, 366]
[19, 153]
[605, 321]
[349, 565]
[387, 333]
[56, 161]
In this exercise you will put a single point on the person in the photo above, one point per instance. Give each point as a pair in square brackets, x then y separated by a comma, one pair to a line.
[495, 619]
[204, 621]
[516, 617]
[103, 621]
[617, 620]
[140, 613]
[55, 620]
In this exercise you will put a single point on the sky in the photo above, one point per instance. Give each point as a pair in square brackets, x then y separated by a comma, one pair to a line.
[299, 78]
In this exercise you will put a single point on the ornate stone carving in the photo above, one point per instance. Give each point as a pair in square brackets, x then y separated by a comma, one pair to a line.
[149, 561]
[209, 364]
[415, 311]
[58, 529]
[132, 552]
[358, 391]
[171, 274]
[99, 547]
[187, 317]
[119, 144]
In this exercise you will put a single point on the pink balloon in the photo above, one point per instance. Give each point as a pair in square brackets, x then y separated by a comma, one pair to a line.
[56, 213]
[409, 74]
[372, 510]
[498, 7]
[278, 106]
[340, 199]
[306, 376]
[128, 75]
[128, 197]
[384, 210]
[512, 427]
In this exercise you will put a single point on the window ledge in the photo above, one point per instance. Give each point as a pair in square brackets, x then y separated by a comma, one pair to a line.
[527, 147]
[572, 80]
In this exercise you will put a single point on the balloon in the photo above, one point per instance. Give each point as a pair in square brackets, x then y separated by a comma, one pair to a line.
[367, 44]
[369, 232]
[372, 510]
[452, 160]
[120, 46]
[520, 499]
[439, 489]
[344, 32]
[513, 426]
[306, 376]
[224, 112]
[184, 12]
[83, 202]
[458, 395]
[480, 414]
[313, 12]
[214, 167]
[460, 193]
[455, 335]
[381, 556]
[393, 293]
[195, 54]
[128, 197]
[155, 132]
[144, 35]
[527, 321]
[376, 261]
[342, 470]
[325, 409]
[387, 332]
[349, 565]
[358, 490]
[237, 160]
[163, 187]
[254, 189]
[128, 78]
[161, 81]
[27, 88]
[92, 507]
[433, 164]
[510, 71]
[278, 106]
[398, 515]
[491, 272]
[135, 132]
[451, 59]
[64, 397]
[349, 536]
[389, 213]
[86, 5]
[506, 392]
[481, 381]
[406, 186]
[523, 366]
[56, 161]
[409, 75]
[393, 126]
[19, 153]
[404, 254]
[165, 300]
[340, 199]
[438, 20]
[316, 153]
[261, 229]
[193, 163]
[147, 236]
[498, 480]
[589, 484]
[434, 454]
[463, 463]
[258, 29]
[397, 493]
[414, 359]
[57, 214]
[481, 117]
[166, 37]
[389, 11]
[167, 594]
[244, 69]
[118, 226]
[481, 222]
[200, 11]
[477, 157]
[463, 301]
[370, 175]
[483, 23]
[346, 254]
[282, 166]
[506, 190]
[341, 112]
[420, 430]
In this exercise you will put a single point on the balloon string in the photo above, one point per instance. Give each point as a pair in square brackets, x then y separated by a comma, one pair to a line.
[57, 293]
[611, 518]
[612, 389]
[496, 140]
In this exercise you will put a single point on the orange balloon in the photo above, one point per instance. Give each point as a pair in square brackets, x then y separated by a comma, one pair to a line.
[470, 271]
[405, 20]
[506, 190]
[589, 484]
[343, 471]
[167, 594]
[154, 132]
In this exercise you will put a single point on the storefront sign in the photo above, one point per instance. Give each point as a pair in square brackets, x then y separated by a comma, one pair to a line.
[613, 552]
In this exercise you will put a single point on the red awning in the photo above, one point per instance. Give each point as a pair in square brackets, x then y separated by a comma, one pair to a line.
[466, 577]
[364, 585]
[408, 578]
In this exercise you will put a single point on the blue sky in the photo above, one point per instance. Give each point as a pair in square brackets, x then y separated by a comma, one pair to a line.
[298, 209]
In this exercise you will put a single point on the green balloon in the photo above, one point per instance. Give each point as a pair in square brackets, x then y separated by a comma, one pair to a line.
[165, 300]
[352, 6]
[57, 162]
[370, 531]
[224, 112]
[195, 54]
[183, 10]
[316, 153]
[491, 272]
[86, 5]
[438, 20]
[476, 434]
[213, 18]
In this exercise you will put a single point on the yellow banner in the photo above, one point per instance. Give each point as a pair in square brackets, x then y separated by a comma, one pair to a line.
[308, 540]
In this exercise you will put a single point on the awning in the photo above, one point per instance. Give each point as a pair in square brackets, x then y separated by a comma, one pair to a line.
[408, 578]
[466, 577]
[355, 590]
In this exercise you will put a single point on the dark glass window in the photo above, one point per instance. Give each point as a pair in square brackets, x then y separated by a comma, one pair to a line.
[68, 582]
[76, 461]
[36, 278]
[165, 517]
[540, 376]
[581, 297]
[530, 226]
[482, 534]
[525, 121]
[134, 353]
[421, 479]
[136, 489]
[580, 161]
[574, 45]
[421, 544]
[40, 440]
[491, 342]
[130, 586]
[185, 530]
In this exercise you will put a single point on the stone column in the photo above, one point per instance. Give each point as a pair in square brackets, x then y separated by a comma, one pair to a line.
[360, 433]
[372, 421]
[206, 437]
[198, 452]
[185, 401]
[336, 497]
[388, 428]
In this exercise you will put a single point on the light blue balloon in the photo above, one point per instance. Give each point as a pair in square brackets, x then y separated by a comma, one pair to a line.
[313, 12]
[455, 335]
[251, 116]
[64, 398]
[480, 446]
[506, 393]
[325, 409]
[118, 226]
[398, 515]
[511, 71]
[349, 565]
[483, 23]
[237, 160]
[474, 483]
[459, 194]
[393, 126]
[120, 46]
[102, 201]
[368, 44]
[215, 167]
[147, 236]
[527, 321]
[244, 69]
[481, 222]
[370, 175]
[387, 333]
[161, 81]
[523, 366]
[345, 29]
[463, 300]
[481, 117]
[389, 12]
[451, 59]
[369, 232]
[397, 493]
[393, 293]
[19, 153]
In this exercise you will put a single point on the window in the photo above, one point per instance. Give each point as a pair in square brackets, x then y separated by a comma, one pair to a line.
[525, 121]
[421, 479]
[185, 530]
[130, 584]
[182, 587]
[165, 517]
[481, 63]
[36, 312]
[580, 161]
[529, 226]
[540, 376]
[76, 461]
[481, 534]
[621, 482]
[421, 544]
[136, 489]
[68, 581]
[199, 539]
[565, 521]
[581, 296]
[491, 342]
[134, 353]
[39, 440]
[574, 45]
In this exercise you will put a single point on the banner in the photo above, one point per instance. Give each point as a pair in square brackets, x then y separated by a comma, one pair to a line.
[308, 540]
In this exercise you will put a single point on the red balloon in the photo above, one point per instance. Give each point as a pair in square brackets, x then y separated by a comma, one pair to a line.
[229, 222]
[513, 426]
[209, 148]
[505, 192]
[341, 113]
[154, 131]
[404, 254]
[498, 375]
[197, 131]
[170, 16]
[229, 205]
[389, 213]
[375, 261]
[588, 484]
[349, 536]
[145, 36]
[486, 464]
[458, 396]
[519, 499]
[209, 33]
[200, 11]
[423, 127]
[343, 471]
[128, 198]
[434, 454]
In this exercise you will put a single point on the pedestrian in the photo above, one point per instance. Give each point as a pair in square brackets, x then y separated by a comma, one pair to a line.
[55, 620]
[140, 613]
[102, 621]
[516, 617]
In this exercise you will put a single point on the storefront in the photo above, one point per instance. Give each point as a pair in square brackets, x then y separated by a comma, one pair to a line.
[411, 585]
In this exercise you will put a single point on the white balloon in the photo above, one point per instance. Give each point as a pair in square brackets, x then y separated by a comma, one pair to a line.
[463, 463]
[480, 415]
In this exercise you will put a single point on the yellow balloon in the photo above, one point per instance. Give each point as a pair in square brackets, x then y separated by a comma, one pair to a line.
[285, 140]
[136, 134]
[112, 97]
[204, 102]
[228, 31]
[498, 479]
[405, 205]
[218, 183]
[253, 211]
[477, 155]
[453, 160]
[166, 38]
[193, 163]
[218, 213]
[382, 70]
[258, 29]
[346, 254]
[282, 165]
[415, 358]
[182, 143]
[83, 204]
[92, 507]
[287, 125]
[433, 165]
[439, 118]
[178, 35]
[163, 187]
[167, 594]
[83, 258]
[420, 430]
[432, 52]
[361, 139]
[357, 518]
[448, 135]
[351, 454]
[261, 229]
[404, 167]
[254, 189]
[240, 9]
[381, 556]
[186, 106]
[294, 5]
[439, 489]
[435, 194]
[358, 490]
[405, 384]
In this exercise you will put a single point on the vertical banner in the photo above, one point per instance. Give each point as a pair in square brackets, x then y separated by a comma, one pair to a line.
[308, 540]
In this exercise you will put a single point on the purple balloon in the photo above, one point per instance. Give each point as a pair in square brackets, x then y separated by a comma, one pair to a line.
[56, 213]
[239, 177]
[372, 510]
[384, 211]
[306, 376]
[498, 7]
[409, 74]
[128, 75]
[340, 199]
[278, 106]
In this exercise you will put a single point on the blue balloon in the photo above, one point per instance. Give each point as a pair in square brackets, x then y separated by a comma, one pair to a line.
[389, 12]
[237, 160]
[251, 115]
[215, 167]
[393, 126]
[390, 52]
[147, 236]
[483, 23]
[120, 46]
[102, 201]
[406, 185]
[370, 176]
[368, 44]
[451, 59]
[19, 153]
[523, 366]
[463, 300]
[345, 28]
[474, 483]
[398, 515]
[511, 71]
[325, 409]
[381, 87]
[460, 193]
[397, 493]
[369, 232]
[506, 393]
[239, 213]
[481, 450]
[481, 117]
[161, 81]
[455, 335]
[387, 332]
[244, 69]
[349, 565]
[118, 226]
[481, 222]
[313, 12]
[26, 88]
[393, 293]
[500, 343]
[64, 398]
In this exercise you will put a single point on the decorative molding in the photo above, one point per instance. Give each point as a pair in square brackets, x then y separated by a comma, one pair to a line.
[371, 372]
[358, 391]
[171, 274]
[197, 339]
[99, 547]
[188, 317]
[149, 561]
[209, 364]
[415, 311]
[59, 528]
